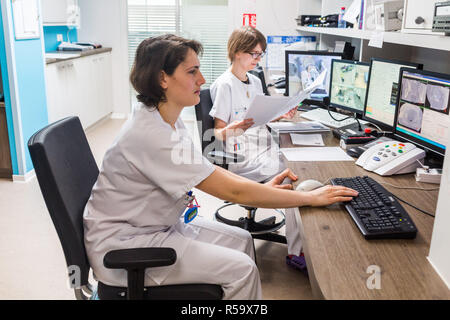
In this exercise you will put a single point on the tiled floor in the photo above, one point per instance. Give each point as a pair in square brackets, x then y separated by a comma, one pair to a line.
[32, 264]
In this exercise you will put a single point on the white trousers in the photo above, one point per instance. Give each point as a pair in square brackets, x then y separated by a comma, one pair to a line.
[293, 239]
[218, 254]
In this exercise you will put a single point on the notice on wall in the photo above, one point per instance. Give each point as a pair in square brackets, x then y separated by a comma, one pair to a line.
[277, 45]
[26, 19]
[249, 19]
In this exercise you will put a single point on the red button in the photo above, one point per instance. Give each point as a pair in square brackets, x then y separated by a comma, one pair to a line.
[367, 130]
[401, 144]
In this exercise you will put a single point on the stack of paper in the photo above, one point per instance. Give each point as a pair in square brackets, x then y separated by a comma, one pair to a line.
[306, 126]
[264, 109]
[307, 139]
[316, 154]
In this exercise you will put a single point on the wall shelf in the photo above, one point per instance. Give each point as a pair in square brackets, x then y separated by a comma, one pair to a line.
[429, 41]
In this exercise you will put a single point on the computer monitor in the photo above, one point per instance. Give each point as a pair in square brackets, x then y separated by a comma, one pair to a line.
[422, 113]
[348, 85]
[382, 89]
[303, 67]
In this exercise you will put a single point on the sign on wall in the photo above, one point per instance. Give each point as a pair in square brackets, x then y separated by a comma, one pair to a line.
[249, 19]
[26, 19]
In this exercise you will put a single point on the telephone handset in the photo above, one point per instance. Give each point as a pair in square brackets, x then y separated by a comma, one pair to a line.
[391, 157]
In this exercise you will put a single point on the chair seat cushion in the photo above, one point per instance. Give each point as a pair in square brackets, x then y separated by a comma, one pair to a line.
[170, 292]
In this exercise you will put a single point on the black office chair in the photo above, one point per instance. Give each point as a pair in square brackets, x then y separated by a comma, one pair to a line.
[259, 72]
[66, 172]
[214, 150]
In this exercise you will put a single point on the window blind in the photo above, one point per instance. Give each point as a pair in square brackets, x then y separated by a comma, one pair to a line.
[205, 21]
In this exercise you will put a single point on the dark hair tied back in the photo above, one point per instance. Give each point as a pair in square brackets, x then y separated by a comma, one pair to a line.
[153, 55]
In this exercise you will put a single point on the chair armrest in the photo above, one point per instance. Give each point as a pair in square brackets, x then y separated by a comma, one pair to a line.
[139, 258]
[221, 157]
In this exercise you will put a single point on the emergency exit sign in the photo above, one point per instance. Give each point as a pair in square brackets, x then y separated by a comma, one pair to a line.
[249, 19]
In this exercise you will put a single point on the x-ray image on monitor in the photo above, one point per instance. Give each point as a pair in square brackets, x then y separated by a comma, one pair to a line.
[414, 91]
[438, 97]
[304, 67]
[410, 116]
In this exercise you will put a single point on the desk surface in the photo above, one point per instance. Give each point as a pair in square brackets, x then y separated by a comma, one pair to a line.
[338, 256]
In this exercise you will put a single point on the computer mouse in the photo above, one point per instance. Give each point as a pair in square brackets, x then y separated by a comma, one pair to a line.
[309, 185]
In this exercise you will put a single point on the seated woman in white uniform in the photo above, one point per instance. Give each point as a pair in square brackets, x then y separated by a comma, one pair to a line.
[147, 176]
[232, 94]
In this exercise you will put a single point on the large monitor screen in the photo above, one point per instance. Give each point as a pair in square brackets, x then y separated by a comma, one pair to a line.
[382, 91]
[349, 84]
[303, 67]
[422, 115]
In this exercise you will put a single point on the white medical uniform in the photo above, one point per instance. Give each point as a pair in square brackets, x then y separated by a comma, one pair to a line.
[138, 200]
[231, 98]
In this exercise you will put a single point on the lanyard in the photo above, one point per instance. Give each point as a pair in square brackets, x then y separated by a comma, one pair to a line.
[192, 209]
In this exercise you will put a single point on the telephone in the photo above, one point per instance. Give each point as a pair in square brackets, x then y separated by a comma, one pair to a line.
[391, 157]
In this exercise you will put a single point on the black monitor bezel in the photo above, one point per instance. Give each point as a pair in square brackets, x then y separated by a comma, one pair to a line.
[354, 62]
[383, 125]
[286, 68]
[403, 136]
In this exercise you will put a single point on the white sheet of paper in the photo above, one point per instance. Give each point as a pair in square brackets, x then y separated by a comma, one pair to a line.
[307, 139]
[304, 126]
[353, 12]
[376, 39]
[264, 109]
[316, 154]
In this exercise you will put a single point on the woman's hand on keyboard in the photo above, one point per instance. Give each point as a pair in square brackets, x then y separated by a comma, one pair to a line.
[329, 194]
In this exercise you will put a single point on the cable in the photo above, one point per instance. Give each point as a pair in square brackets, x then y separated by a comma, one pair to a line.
[409, 204]
[414, 188]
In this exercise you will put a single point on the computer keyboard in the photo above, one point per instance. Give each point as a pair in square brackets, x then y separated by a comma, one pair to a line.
[322, 116]
[376, 212]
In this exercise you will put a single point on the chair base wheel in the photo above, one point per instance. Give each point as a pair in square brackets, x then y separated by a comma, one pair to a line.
[259, 230]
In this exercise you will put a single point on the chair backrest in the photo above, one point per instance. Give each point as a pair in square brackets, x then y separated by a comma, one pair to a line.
[204, 120]
[66, 172]
[259, 72]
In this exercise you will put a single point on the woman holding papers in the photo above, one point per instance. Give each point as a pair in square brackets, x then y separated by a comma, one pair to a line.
[147, 178]
[232, 94]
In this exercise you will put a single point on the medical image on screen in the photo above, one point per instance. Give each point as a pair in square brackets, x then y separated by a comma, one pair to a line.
[427, 119]
[304, 69]
[413, 90]
[410, 116]
[349, 85]
[437, 97]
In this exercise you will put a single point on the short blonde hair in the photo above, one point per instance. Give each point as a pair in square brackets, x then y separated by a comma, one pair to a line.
[245, 39]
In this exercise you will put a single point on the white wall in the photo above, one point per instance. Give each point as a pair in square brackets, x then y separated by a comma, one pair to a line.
[440, 241]
[273, 17]
[105, 21]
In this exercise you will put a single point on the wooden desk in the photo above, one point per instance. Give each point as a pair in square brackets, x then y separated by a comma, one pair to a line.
[337, 254]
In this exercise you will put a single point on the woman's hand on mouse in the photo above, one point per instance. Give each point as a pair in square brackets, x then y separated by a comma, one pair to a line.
[277, 181]
[330, 194]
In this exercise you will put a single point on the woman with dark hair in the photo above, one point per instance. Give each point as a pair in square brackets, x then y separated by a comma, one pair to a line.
[147, 176]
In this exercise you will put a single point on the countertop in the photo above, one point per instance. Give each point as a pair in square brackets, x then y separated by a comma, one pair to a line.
[81, 53]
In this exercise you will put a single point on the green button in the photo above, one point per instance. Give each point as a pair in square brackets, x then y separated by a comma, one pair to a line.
[387, 146]
[400, 151]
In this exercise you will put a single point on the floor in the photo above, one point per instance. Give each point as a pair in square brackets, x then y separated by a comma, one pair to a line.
[32, 264]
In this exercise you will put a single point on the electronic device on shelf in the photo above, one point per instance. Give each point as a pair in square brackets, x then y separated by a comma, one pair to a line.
[303, 67]
[382, 88]
[375, 211]
[422, 113]
[391, 157]
[441, 18]
[389, 15]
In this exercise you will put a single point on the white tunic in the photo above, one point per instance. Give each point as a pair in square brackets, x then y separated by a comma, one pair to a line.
[138, 200]
[231, 98]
